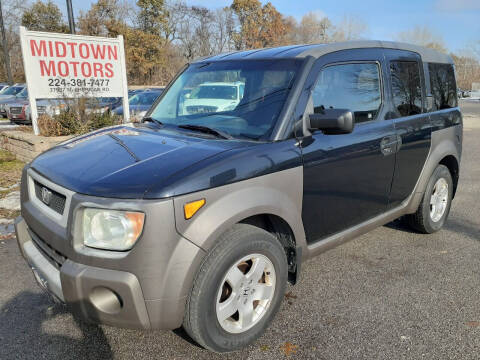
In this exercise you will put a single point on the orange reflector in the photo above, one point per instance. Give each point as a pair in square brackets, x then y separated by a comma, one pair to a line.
[191, 208]
[136, 220]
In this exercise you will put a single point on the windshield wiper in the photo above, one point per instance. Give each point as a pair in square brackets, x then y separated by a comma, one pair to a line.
[263, 97]
[207, 130]
[122, 144]
[152, 120]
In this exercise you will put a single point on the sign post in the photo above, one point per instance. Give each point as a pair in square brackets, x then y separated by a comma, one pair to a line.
[65, 66]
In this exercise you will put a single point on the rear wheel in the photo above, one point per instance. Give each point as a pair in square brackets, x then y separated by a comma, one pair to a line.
[435, 205]
[238, 289]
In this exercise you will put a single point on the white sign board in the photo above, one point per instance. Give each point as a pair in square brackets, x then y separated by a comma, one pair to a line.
[60, 66]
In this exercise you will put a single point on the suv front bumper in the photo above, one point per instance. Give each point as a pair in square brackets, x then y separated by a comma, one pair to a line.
[100, 295]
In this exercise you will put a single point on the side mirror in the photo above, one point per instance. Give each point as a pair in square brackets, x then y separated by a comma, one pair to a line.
[332, 121]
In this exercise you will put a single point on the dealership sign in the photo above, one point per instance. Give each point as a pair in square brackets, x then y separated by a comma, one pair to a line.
[61, 66]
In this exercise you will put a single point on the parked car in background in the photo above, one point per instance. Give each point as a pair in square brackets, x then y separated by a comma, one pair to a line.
[103, 104]
[18, 109]
[20, 96]
[475, 95]
[132, 92]
[51, 107]
[54, 107]
[10, 92]
[20, 112]
[139, 103]
[213, 97]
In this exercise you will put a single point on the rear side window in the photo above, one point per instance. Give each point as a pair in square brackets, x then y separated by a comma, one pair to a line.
[355, 87]
[444, 88]
[406, 87]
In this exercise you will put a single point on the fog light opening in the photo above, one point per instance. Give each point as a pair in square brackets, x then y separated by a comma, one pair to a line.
[106, 300]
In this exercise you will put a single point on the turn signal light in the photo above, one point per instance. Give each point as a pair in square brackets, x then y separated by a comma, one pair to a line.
[191, 208]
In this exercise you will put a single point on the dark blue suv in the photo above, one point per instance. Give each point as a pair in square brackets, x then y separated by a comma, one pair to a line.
[247, 165]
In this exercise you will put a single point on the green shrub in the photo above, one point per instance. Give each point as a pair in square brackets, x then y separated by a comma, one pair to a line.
[71, 122]
[98, 121]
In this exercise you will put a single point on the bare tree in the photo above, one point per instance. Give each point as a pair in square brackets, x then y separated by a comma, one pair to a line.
[223, 26]
[467, 66]
[178, 12]
[423, 36]
[350, 28]
[12, 16]
[313, 28]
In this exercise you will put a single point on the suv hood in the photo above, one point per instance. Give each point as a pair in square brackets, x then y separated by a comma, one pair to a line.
[124, 161]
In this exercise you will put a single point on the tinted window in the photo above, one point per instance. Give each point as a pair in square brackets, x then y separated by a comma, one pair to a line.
[13, 90]
[406, 87]
[444, 89]
[23, 93]
[355, 87]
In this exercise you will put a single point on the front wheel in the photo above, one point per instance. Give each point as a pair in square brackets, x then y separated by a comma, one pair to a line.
[435, 205]
[237, 290]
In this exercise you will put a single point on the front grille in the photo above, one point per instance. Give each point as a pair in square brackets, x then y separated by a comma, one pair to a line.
[54, 201]
[55, 257]
[16, 110]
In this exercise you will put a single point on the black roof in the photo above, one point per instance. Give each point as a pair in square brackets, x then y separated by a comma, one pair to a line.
[317, 50]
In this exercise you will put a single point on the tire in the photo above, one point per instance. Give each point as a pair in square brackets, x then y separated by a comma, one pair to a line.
[424, 220]
[211, 289]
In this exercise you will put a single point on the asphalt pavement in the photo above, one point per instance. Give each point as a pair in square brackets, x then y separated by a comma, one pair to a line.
[390, 294]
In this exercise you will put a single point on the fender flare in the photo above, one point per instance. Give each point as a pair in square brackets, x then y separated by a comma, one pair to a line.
[278, 194]
[445, 142]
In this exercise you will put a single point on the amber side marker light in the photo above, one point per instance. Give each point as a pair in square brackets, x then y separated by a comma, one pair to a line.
[191, 208]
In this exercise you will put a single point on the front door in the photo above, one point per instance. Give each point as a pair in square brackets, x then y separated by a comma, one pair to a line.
[347, 178]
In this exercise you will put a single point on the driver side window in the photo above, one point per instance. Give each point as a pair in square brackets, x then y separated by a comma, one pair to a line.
[355, 87]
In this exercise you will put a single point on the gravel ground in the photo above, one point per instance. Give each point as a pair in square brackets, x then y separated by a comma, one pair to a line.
[390, 294]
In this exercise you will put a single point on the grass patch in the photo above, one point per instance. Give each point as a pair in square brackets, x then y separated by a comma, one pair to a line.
[10, 169]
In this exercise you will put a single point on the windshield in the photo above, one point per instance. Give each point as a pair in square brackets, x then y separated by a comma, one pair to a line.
[226, 92]
[145, 98]
[240, 98]
[13, 90]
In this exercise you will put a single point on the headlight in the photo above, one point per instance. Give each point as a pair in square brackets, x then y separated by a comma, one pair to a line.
[111, 229]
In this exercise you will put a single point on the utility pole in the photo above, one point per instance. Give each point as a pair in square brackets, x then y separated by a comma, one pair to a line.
[5, 48]
[71, 20]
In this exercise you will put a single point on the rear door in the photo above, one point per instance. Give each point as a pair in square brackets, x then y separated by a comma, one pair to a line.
[406, 84]
[347, 177]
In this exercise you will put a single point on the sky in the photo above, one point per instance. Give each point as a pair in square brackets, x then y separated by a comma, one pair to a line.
[456, 21]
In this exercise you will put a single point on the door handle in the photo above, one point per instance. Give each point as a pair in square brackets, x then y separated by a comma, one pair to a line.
[390, 145]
